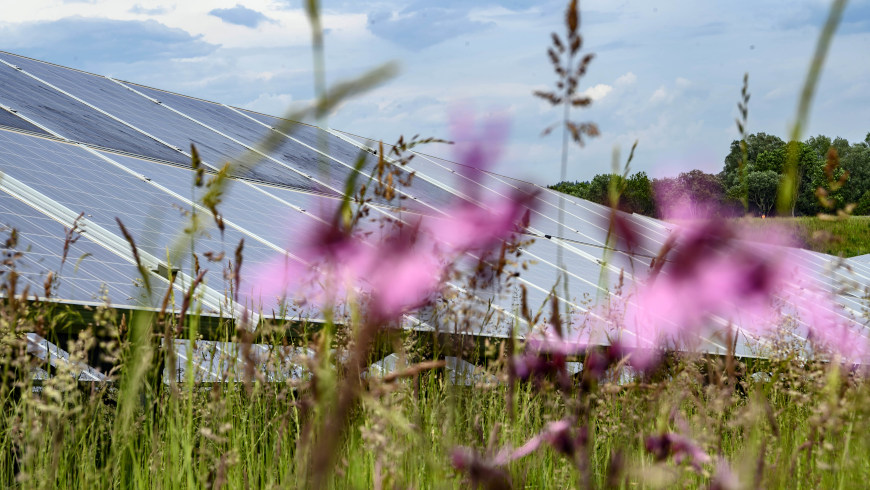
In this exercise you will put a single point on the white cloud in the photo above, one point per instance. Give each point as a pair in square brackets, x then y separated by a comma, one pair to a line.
[597, 92]
[274, 104]
[626, 80]
[659, 95]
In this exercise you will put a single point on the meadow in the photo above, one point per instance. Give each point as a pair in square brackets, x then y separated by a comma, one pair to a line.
[840, 237]
[782, 422]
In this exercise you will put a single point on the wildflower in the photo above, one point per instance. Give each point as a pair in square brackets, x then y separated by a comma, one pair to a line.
[391, 276]
[559, 435]
[476, 151]
[825, 325]
[679, 447]
[710, 274]
[472, 228]
[545, 356]
[714, 274]
[401, 266]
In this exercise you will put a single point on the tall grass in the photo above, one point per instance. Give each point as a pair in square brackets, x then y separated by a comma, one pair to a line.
[781, 422]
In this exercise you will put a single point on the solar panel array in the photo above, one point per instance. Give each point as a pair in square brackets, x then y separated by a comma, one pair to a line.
[76, 143]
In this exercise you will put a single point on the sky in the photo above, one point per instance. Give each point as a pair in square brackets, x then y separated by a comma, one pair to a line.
[666, 73]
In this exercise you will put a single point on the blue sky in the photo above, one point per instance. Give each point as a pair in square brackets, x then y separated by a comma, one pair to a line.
[666, 73]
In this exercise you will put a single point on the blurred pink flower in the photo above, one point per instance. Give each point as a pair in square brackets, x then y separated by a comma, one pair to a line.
[715, 277]
[476, 151]
[708, 278]
[825, 322]
[724, 478]
[679, 447]
[401, 266]
[469, 227]
[560, 435]
[390, 276]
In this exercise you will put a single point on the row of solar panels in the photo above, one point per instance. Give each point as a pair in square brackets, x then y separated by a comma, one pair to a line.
[74, 142]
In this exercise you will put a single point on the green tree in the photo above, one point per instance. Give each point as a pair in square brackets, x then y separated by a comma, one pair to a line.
[638, 195]
[772, 160]
[702, 191]
[577, 189]
[762, 189]
[808, 166]
[756, 144]
[857, 163]
[862, 207]
[599, 188]
[820, 145]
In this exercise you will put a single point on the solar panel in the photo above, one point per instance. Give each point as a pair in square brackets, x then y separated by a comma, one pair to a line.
[88, 268]
[315, 137]
[243, 203]
[72, 119]
[235, 125]
[148, 117]
[82, 181]
[59, 359]
[423, 192]
[214, 362]
[140, 173]
[12, 120]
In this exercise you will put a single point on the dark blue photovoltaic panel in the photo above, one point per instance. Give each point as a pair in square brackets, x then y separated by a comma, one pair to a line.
[161, 123]
[72, 119]
[348, 153]
[261, 210]
[333, 173]
[316, 138]
[9, 119]
[88, 266]
[487, 189]
[84, 182]
[249, 132]
[584, 214]
[242, 203]
[237, 126]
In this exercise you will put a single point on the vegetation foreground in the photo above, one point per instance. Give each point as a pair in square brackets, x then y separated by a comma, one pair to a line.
[782, 423]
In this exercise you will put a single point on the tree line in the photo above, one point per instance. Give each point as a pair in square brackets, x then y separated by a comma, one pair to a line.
[833, 175]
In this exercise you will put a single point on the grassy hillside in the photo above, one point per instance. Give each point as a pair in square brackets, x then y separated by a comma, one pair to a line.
[849, 237]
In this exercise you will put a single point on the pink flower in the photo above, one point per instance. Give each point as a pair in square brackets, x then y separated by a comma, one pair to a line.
[400, 266]
[476, 151]
[481, 472]
[724, 479]
[716, 278]
[469, 227]
[390, 276]
[825, 322]
[679, 447]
